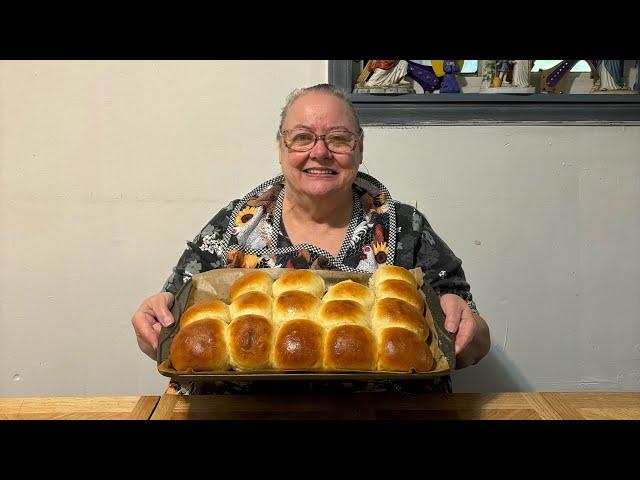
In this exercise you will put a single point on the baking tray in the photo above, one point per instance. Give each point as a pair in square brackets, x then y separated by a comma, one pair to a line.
[216, 284]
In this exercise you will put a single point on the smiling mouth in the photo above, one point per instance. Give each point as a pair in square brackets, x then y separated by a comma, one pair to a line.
[320, 171]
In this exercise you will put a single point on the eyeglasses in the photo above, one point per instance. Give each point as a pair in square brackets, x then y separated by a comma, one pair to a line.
[341, 141]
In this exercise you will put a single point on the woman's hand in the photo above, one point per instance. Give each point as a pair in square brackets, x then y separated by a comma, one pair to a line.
[472, 333]
[149, 319]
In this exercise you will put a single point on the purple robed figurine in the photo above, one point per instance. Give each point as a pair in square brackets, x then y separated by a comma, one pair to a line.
[424, 75]
[449, 83]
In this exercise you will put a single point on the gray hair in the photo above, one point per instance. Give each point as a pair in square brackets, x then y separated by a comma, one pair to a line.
[324, 88]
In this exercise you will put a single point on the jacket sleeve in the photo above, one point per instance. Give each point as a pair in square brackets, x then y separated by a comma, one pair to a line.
[420, 246]
[203, 253]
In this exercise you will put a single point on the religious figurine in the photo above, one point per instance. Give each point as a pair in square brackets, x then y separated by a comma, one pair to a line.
[424, 76]
[611, 78]
[386, 72]
[384, 76]
[610, 73]
[449, 83]
[522, 73]
[512, 77]
[502, 68]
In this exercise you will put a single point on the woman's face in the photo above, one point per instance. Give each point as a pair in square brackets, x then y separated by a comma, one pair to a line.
[319, 172]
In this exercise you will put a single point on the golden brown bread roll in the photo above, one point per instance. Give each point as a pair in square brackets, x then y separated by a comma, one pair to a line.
[393, 312]
[400, 350]
[294, 305]
[250, 342]
[258, 281]
[200, 346]
[402, 290]
[350, 347]
[284, 325]
[251, 303]
[299, 345]
[203, 310]
[392, 272]
[350, 290]
[300, 280]
[342, 312]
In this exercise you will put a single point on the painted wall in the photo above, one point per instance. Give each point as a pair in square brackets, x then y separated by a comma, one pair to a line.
[107, 168]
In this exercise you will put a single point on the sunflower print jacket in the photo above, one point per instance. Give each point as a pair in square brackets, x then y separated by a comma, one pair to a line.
[249, 233]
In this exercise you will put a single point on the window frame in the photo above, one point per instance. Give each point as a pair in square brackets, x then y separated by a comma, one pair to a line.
[485, 109]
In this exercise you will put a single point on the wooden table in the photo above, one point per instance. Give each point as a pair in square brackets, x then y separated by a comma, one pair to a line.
[77, 408]
[389, 406]
[361, 406]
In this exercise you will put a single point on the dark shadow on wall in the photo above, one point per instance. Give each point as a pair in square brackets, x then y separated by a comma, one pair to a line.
[494, 373]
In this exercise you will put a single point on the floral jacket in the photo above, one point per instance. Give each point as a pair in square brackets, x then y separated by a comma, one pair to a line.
[249, 233]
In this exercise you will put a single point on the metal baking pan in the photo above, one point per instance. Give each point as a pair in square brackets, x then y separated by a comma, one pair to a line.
[189, 294]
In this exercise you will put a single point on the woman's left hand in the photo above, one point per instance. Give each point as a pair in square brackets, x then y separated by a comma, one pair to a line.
[472, 333]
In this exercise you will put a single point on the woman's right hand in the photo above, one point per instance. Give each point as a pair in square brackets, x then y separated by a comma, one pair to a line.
[149, 319]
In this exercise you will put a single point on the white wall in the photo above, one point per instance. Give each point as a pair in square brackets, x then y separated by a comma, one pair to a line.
[107, 169]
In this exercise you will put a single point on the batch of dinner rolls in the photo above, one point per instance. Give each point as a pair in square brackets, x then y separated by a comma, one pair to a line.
[295, 323]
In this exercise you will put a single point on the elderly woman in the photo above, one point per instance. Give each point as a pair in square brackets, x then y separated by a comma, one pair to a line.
[323, 213]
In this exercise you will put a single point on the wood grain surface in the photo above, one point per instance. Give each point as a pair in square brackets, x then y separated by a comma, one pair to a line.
[388, 406]
[360, 406]
[78, 408]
